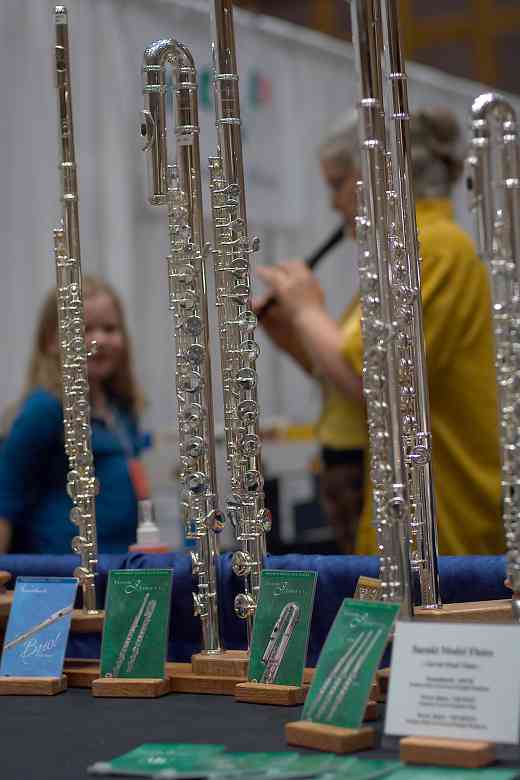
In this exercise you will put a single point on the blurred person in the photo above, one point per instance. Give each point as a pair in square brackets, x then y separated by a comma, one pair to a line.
[34, 505]
[459, 349]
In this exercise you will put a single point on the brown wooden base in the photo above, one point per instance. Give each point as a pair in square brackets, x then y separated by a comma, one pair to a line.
[229, 663]
[383, 681]
[81, 672]
[5, 576]
[319, 736]
[87, 622]
[122, 687]
[32, 686]
[447, 752]
[182, 680]
[370, 710]
[496, 611]
[308, 674]
[262, 693]
[216, 674]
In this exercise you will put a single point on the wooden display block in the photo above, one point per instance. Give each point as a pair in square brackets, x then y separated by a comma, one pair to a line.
[122, 687]
[447, 752]
[319, 736]
[5, 576]
[87, 622]
[229, 663]
[81, 672]
[496, 611]
[371, 710]
[308, 674]
[187, 682]
[383, 681]
[32, 686]
[263, 693]
[6, 600]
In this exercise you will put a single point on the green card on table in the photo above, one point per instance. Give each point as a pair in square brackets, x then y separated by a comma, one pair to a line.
[281, 627]
[137, 615]
[160, 759]
[348, 663]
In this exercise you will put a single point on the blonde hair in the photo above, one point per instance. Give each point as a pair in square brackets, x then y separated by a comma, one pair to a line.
[434, 137]
[436, 158]
[44, 363]
[341, 145]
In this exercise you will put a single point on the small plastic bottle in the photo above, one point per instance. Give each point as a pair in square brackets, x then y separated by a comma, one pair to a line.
[148, 535]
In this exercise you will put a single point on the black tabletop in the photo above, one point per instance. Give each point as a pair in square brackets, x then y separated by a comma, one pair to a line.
[57, 738]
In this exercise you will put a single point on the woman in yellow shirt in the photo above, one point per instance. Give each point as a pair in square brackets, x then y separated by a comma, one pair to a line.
[458, 335]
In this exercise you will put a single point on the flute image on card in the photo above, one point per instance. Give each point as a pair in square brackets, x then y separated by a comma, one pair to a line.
[350, 677]
[148, 615]
[61, 613]
[130, 635]
[493, 180]
[281, 634]
[337, 683]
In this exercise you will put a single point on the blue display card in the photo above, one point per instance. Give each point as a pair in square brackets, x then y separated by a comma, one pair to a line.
[38, 627]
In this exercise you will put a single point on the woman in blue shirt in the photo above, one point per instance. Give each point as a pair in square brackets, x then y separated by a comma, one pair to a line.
[34, 505]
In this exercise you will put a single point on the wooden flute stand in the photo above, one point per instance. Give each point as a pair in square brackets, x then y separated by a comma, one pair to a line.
[217, 673]
[32, 686]
[278, 695]
[81, 672]
[496, 611]
[464, 753]
[131, 688]
[320, 736]
[267, 693]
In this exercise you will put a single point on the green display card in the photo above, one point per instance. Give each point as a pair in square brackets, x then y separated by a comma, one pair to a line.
[136, 623]
[355, 768]
[250, 764]
[415, 772]
[348, 663]
[281, 627]
[162, 760]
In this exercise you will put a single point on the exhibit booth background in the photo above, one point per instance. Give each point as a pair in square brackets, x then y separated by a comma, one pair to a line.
[294, 83]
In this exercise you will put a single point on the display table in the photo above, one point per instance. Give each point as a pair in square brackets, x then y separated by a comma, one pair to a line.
[58, 738]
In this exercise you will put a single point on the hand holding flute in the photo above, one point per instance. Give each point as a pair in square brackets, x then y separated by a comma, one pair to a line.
[310, 262]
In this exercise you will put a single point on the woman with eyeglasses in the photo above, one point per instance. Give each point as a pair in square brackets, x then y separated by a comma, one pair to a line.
[459, 351]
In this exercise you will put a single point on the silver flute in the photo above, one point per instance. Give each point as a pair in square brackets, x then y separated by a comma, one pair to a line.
[58, 615]
[82, 486]
[178, 187]
[493, 180]
[394, 372]
[281, 634]
[237, 322]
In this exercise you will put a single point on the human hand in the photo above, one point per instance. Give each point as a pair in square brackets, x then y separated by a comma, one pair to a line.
[274, 320]
[294, 287]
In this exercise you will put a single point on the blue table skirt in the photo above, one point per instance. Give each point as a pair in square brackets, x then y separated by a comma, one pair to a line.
[469, 578]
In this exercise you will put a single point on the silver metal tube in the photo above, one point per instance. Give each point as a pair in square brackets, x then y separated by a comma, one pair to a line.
[493, 179]
[82, 486]
[178, 186]
[394, 371]
[415, 405]
[237, 322]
